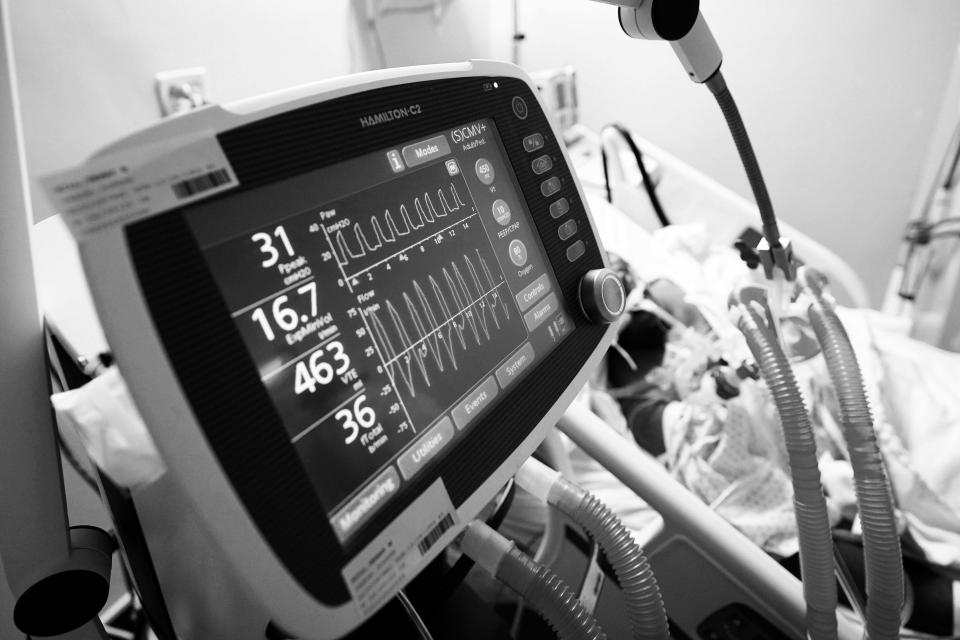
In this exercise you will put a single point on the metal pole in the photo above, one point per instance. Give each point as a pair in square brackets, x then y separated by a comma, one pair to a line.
[33, 525]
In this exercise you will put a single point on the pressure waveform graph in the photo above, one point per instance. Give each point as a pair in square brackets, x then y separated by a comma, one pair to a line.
[448, 324]
[400, 229]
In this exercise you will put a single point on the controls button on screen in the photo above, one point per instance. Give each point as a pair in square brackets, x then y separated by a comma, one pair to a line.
[533, 142]
[559, 208]
[426, 448]
[515, 365]
[550, 186]
[533, 292]
[576, 251]
[536, 316]
[567, 229]
[475, 402]
[426, 150]
[541, 165]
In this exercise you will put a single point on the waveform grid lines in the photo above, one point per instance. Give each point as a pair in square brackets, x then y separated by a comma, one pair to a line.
[440, 316]
[390, 230]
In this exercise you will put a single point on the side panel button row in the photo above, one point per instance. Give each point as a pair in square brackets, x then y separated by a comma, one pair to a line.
[542, 164]
[567, 229]
[559, 208]
[550, 186]
[533, 142]
[576, 251]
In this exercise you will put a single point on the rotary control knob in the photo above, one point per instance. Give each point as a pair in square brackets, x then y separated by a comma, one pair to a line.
[602, 296]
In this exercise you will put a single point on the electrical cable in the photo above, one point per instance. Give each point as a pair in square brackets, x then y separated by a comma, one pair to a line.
[606, 173]
[414, 616]
[648, 185]
[718, 87]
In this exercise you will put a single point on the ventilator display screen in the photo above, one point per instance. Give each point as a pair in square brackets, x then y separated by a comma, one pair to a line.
[387, 302]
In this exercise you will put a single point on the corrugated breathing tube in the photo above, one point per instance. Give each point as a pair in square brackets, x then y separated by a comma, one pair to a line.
[881, 543]
[813, 525]
[648, 618]
[542, 589]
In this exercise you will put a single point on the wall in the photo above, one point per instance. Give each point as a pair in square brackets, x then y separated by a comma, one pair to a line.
[86, 69]
[840, 99]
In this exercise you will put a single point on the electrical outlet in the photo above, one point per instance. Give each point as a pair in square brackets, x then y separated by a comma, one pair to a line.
[181, 90]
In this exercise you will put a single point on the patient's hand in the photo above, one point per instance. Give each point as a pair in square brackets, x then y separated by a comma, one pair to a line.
[673, 300]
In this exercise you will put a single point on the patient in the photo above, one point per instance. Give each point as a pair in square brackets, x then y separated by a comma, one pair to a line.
[725, 444]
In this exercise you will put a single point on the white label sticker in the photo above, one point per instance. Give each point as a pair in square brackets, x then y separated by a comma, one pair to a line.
[401, 550]
[135, 183]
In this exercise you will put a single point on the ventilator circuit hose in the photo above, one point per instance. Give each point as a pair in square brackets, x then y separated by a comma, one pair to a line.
[881, 543]
[542, 589]
[813, 525]
[648, 618]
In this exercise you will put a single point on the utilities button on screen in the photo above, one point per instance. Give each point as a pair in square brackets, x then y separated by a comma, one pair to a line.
[485, 171]
[519, 107]
[567, 229]
[515, 365]
[501, 212]
[518, 253]
[550, 186]
[426, 448]
[533, 292]
[542, 164]
[475, 402]
[576, 251]
[533, 142]
[536, 316]
[559, 208]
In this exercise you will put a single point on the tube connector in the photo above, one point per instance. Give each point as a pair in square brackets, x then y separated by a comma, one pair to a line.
[537, 479]
[485, 546]
[781, 257]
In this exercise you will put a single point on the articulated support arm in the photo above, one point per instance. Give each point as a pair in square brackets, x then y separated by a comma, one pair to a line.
[681, 24]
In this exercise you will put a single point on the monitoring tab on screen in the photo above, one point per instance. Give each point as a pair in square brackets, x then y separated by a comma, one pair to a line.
[346, 350]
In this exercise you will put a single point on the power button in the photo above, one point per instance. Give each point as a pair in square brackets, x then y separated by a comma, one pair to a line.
[519, 107]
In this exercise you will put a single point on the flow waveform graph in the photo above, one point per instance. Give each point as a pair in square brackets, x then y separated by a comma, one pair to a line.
[439, 320]
[400, 229]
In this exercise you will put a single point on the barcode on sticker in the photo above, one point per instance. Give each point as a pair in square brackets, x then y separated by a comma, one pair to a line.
[207, 181]
[428, 540]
